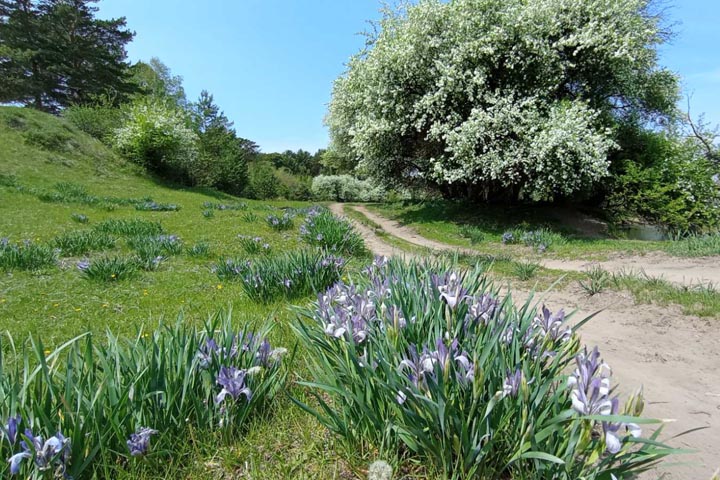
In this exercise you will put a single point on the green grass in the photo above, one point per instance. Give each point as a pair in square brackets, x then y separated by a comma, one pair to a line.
[464, 225]
[57, 302]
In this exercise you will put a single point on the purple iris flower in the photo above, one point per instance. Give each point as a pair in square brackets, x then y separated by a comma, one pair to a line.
[512, 383]
[591, 385]
[139, 442]
[233, 382]
[551, 325]
[52, 453]
[83, 265]
[481, 308]
[613, 443]
[451, 289]
[11, 429]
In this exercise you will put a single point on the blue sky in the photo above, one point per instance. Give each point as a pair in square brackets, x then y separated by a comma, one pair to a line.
[271, 63]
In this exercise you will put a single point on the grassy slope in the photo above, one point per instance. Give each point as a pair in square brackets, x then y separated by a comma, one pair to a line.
[59, 303]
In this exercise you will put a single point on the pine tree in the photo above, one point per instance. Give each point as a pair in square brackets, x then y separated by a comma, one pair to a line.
[55, 53]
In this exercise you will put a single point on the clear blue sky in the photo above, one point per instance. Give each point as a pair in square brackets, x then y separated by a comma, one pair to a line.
[271, 63]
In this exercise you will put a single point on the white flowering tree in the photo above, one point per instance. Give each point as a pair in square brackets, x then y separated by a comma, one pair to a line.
[511, 97]
[158, 137]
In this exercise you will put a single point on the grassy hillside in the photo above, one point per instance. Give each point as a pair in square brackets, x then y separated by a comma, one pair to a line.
[51, 171]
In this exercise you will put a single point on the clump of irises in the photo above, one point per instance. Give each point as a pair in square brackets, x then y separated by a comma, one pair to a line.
[452, 366]
[79, 218]
[26, 255]
[32, 452]
[112, 398]
[280, 223]
[254, 245]
[295, 274]
[153, 206]
[324, 230]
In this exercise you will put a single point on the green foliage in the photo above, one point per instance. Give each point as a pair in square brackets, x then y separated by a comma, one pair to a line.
[472, 233]
[696, 246]
[26, 255]
[254, 245]
[332, 234]
[665, 179]
[263, 183]
[596, 280]
[345, 188]
[508, 98]
[109, 269]
[99, 392]
[525, 270]
[57, 54]
[157, 207]
[470, 386]
[80, 242]
[200, 249]
[292, 275]
[280, 223]
[100, 120]
[79, 218]
[133, 227]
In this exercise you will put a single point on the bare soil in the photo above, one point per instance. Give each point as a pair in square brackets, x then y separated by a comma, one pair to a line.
[675, 358]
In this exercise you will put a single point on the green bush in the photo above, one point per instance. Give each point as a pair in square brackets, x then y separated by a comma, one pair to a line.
[179, 381]
[422, 360]
[345, 188]
[666, 180]
[99, 121]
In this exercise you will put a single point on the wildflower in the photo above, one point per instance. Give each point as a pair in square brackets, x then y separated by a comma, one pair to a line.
[451, 290]
[400, 397]
[83, 265]
[11, 429]
[139, 442]
[480, 309]
[219, 286]
[380, 470]
[508, 237]
[550, 325]
[612, 438]
[591, 385]
[233, 382]
[512, 383]
[54, 452]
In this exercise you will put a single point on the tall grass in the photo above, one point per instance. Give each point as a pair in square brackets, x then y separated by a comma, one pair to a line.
[80, 242]
[134, 227]
[695, 246]
[336, 235]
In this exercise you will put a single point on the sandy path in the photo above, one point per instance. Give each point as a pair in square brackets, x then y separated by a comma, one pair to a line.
[687, 271]
[675, 358]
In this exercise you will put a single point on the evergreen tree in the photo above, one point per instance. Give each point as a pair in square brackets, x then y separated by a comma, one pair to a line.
[54, 53]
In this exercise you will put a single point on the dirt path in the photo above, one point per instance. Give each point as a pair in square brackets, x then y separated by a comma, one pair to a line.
[686, 271]
[675, 358]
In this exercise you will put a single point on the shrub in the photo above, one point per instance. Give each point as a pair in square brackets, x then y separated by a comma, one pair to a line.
[158, 138]
[419, 358]
[253, 245]
[133, 227]
[107, 396]
[26, 255]
[80, 242]
[99, 121]
[324, 230]
[293, 275]
[345, 188]
[109, 269]
[284, 222]
[262, 182]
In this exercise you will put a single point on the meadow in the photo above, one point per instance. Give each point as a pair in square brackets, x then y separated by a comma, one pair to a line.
[162, 332]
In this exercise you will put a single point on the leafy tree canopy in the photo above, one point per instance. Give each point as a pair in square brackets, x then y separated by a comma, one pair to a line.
[517, 98]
